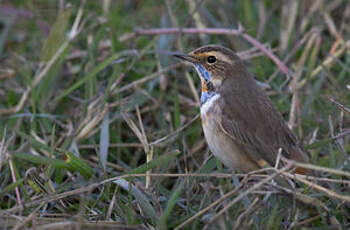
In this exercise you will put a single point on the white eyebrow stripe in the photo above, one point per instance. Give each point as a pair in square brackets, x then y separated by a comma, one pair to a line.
[218, 56]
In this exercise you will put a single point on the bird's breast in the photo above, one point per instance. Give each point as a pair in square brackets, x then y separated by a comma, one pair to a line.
[210, 115]
[220, 144]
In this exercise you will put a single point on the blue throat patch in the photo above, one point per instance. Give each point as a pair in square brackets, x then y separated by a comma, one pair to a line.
[205, 96]
[202, 71]
[205, 75]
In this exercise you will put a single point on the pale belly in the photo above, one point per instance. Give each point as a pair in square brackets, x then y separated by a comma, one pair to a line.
[220, 144]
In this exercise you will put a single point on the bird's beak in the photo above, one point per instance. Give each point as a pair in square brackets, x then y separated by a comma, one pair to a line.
[186, 57]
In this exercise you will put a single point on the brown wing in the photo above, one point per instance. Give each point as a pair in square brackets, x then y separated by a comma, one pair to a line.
[251, 120]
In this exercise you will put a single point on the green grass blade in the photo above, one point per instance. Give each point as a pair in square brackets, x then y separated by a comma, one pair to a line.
[93, 73]
[171, 203]
[156, 162]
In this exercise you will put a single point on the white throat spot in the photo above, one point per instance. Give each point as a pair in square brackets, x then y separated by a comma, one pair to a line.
[208, 104]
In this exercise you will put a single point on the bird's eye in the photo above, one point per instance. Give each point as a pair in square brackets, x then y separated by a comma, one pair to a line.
[211, 59]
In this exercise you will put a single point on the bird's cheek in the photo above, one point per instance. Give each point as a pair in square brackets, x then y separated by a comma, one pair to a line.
[216, 82]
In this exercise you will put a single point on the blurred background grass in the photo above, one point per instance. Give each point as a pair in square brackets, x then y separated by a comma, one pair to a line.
[84, 97]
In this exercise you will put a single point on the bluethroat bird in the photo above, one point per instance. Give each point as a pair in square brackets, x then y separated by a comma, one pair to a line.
[242, 127]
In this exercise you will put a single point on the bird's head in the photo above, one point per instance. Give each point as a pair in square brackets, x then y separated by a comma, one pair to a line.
[213, 63]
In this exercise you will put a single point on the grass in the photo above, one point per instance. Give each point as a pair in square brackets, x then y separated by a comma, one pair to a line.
[99, 125]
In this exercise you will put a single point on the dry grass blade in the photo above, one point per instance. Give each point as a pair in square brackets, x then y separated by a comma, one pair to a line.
[42, 73]
[306, 199]
[340, 106]
[326, 63]
[61, 223]
[147, 78]
[148, 150]
[92, 186]
[317, 168]
[301, 63]
[294, 82]
[204, 210]
[141, 198]
[29, 218]
[4, 155]
[288, 18]
[136, 131]
[179, 130]
[240, 32]
[319, 188]
[90, 122]
[244, 215]
[251, 189]
[74, 80]
[104, 141]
